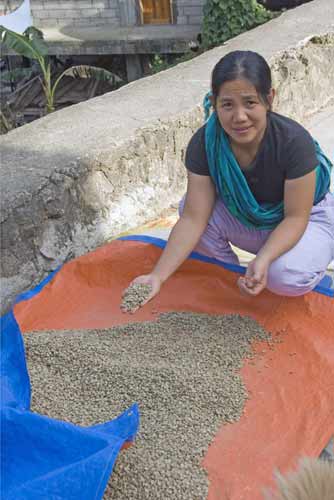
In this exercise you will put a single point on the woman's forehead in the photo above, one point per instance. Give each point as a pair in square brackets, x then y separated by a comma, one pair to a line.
[237, 88]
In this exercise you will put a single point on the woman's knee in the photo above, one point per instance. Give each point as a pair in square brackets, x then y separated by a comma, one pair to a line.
[285, 280]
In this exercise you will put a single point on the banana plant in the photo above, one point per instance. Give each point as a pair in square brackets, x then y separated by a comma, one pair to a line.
[84, 71]
[32, 45]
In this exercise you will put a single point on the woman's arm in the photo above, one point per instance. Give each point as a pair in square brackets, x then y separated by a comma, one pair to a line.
[199, 203]
[298, 203]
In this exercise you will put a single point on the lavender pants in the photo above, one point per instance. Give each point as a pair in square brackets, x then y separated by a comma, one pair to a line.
[297, 271]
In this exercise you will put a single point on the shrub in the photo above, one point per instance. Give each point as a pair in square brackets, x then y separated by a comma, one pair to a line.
[225, 19]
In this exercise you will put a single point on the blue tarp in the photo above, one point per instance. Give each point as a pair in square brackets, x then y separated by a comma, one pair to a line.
[43, 458]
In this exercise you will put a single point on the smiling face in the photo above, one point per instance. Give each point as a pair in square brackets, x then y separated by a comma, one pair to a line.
[242, 113]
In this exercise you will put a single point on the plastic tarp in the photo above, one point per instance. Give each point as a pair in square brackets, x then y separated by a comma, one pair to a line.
[42, 458]
[291, 406]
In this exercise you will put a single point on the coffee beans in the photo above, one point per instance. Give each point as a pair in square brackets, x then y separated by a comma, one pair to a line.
[182, 370]
[135, 296]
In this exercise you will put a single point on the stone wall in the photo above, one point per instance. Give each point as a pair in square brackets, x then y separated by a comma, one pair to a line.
[72, 12]
[51, 13]
[190, 12]
[80, 176]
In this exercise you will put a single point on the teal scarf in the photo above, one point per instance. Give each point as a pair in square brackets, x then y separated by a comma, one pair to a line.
[233, 188]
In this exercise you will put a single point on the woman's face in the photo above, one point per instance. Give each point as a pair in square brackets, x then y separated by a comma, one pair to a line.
[241, 113]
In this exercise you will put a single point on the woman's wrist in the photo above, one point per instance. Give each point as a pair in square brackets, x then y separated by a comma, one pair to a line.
[159, 275]
[265, 256]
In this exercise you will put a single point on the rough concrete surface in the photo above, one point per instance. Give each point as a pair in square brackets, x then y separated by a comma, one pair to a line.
[321, 125]
[72, 180]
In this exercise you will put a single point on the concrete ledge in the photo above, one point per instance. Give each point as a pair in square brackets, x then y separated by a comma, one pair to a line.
[74, 179]
[110, 39]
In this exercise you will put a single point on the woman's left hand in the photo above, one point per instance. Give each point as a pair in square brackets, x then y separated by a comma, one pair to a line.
[255, 279]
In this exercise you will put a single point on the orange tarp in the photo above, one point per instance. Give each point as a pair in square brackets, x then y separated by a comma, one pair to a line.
[290, 412]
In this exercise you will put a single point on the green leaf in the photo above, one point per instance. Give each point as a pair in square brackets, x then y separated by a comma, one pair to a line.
[36, 37]
[224, 19]
[85, 71]
[32, 32]
[22, 45]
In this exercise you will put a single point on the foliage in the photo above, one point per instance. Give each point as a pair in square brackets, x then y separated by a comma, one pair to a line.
[84, 71]
[160, 62]
[32, 45]
[5, 125]
[225, 19]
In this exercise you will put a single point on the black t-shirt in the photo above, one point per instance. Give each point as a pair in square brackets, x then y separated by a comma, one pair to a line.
[287, 151]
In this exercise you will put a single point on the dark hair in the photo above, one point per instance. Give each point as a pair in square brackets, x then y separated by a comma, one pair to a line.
[246, 65]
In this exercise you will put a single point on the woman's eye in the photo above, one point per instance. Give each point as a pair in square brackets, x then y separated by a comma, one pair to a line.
[226, 105]
[251, 103]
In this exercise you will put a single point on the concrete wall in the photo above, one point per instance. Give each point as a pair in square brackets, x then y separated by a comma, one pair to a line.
[189, 12]
[51, 13]
[80, 176]
[82, 12]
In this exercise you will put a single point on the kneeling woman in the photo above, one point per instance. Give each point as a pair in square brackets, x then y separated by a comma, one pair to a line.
[258, 180]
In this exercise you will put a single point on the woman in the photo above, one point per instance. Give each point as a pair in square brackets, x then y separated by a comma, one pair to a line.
[258, 180]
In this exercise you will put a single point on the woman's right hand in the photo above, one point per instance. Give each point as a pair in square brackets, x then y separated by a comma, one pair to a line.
[147, 279]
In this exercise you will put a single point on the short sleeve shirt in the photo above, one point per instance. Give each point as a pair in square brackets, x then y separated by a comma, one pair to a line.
[287, 151]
